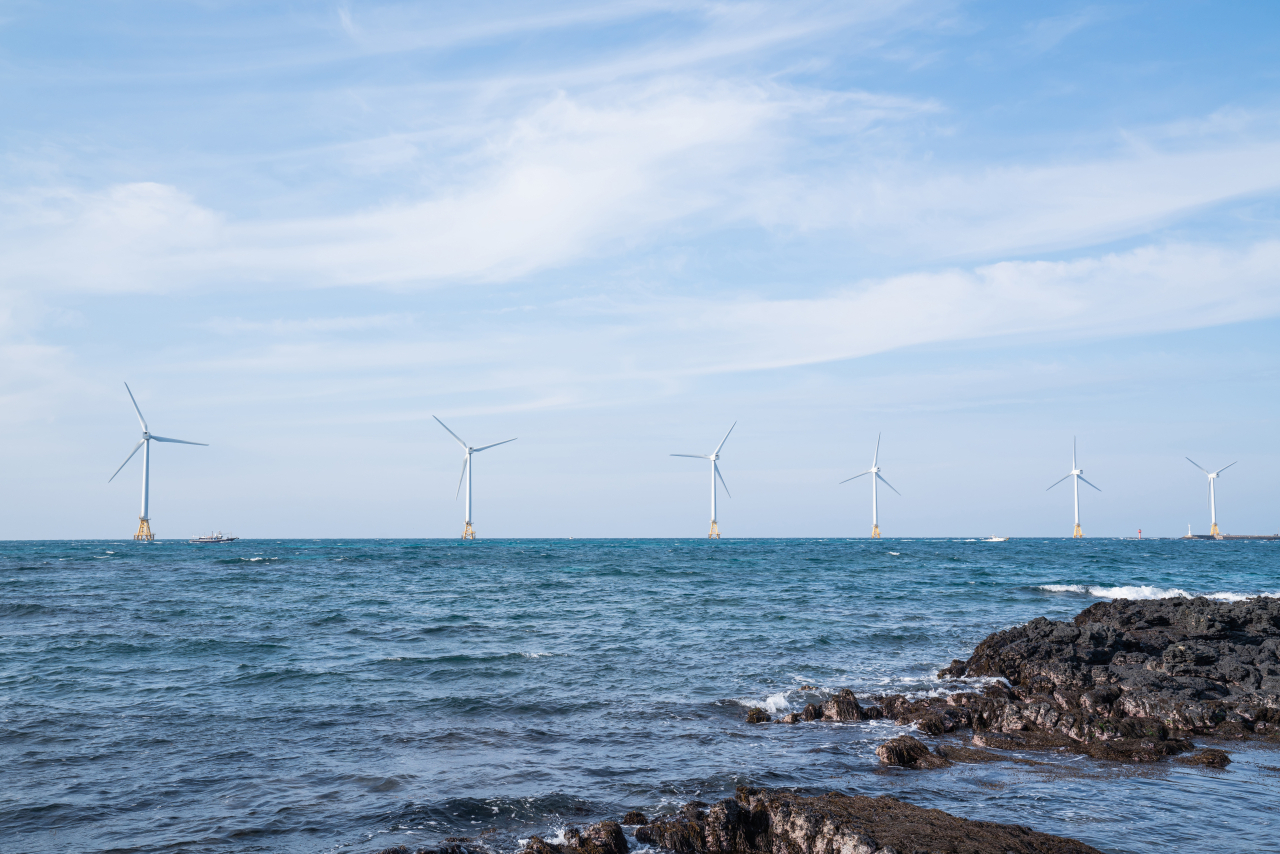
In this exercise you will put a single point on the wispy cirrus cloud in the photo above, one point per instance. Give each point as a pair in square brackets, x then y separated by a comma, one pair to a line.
[574, 181]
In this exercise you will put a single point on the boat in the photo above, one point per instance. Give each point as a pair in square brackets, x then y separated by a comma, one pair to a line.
[996, 540]
[214, 538]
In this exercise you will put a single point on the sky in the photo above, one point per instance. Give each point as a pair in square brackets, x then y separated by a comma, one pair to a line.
[613, 229]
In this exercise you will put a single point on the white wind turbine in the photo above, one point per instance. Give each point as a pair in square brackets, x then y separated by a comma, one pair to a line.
[1078, 474]
[468, 533]
[1213, 510]
[715, 473]
[144, 521]
[874, 470]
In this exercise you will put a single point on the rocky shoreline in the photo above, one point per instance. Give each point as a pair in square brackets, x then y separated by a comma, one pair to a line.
[1124, 681]
[1128, 681]
[774, 821]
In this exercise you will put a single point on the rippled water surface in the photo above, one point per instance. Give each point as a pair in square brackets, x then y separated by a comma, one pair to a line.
[313, 696]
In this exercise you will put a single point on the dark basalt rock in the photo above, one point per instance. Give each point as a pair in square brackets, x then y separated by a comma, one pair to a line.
[843, 707]
[450, 847]
[764, 821]
[909, 752]
[635, 817]
[757, 715]
[1126, 681]
[606, 837]
[1208, 758]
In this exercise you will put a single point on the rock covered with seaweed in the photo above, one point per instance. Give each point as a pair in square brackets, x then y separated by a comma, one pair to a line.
[765, 821]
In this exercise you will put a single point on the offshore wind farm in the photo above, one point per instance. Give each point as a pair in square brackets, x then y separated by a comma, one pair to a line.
[717, 482]
[326, 239]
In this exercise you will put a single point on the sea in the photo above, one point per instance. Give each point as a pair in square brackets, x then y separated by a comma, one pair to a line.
[354, 695]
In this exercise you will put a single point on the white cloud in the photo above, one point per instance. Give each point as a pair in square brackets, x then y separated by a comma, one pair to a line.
[577, 179]
[599, 350]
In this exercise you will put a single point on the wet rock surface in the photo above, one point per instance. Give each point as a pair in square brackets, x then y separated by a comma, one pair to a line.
[1124, 681]
[605, 837]
[764, 821]
[909, 752]
[449, 847]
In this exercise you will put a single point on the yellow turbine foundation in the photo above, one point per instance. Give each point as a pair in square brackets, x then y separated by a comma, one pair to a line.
[144, 534]
[1214, 532]
[1079, 534]
[715, 531]
[875, 532]
[468, 533]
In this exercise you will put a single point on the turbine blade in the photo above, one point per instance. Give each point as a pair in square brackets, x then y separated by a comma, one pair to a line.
[855, 477]
[465, 460]
[494, 445]
[179, 441]
[885, 482]
[1055, 483]
[722, 441]
[722, 483]
[693, 456]
[451, 433]
[141, 442]
[141, 420]
[1224, 468]
[1082, 478]
[1197, 465]
[876, 456]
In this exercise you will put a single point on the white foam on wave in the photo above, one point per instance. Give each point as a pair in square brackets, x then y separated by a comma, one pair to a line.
[773, 704]
[1139, 591]
[1146, 591]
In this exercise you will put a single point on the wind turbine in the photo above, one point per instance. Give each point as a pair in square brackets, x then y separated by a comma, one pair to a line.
[715, 473]
[468, 533]
[1213, 510]
[874, 470]
[1078, 474]
[144, 521]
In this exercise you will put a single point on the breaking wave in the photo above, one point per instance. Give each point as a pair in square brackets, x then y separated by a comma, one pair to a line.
[1145, 591]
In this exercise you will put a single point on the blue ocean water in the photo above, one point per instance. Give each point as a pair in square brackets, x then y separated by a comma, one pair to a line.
[348, 695]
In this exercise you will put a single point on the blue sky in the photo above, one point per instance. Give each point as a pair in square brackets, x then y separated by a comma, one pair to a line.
[299, 230]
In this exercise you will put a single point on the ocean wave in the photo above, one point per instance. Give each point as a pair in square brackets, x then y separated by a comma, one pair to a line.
[1146, 591]
[774, 703]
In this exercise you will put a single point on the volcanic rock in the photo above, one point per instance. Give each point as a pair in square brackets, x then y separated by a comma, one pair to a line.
[757, 715]
[842, 707]
[606, 837]
[635, 817]
[764, 821]
[1125, 680]
[909, 752]
[1208, 758]
[448, 848]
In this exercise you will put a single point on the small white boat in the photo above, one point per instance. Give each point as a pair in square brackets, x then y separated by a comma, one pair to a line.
[215, 538]
[996, 540]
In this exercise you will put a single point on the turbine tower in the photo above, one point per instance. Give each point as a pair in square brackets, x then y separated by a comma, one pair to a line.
[468, 533]
[1078, 474]
[874, 470]
[144, 521]
[1213, 510]
[715, 473]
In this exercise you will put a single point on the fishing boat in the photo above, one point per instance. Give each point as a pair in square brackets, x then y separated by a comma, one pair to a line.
[996, 540]
[215, 538]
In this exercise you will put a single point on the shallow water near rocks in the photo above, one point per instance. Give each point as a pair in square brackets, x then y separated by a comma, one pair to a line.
[349, 695]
